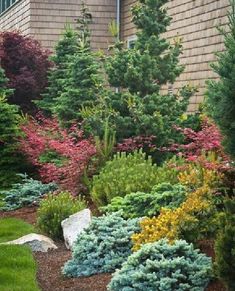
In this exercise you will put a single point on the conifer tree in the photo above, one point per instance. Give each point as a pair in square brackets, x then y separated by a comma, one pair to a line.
[220, 97]
[142, 71]
[84, 82]
[58, 74]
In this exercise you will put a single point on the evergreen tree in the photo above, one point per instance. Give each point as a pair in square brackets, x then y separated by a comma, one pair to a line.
[9, 131]
[142, 71]
[225, 247]
[58, 75]
[84, 83]
[220, 97]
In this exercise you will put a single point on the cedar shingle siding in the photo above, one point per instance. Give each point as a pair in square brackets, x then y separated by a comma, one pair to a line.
[193, 20]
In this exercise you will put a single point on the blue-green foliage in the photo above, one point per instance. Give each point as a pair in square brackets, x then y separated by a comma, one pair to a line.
[161, 266]
[141, 204]
[102, 247]
[26, 193]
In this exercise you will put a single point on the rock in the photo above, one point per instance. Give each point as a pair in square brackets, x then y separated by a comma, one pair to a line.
[37, 242]
[74, 225]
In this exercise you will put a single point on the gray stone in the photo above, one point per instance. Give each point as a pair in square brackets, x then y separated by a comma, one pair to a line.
[74, 225]
[37, 242]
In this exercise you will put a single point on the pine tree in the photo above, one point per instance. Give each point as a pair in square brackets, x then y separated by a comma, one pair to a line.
[84, 83]
[142, 71]
[58, 75]
[220, 97]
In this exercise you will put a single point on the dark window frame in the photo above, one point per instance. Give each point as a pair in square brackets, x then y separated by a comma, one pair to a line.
[5, 5]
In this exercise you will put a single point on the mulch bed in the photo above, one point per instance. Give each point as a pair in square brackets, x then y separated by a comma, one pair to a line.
[49, 274]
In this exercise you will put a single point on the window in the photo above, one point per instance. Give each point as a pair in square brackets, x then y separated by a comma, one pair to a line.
[131, 41]
[5, 4]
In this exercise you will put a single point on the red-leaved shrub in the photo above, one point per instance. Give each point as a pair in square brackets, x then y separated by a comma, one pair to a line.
[136, 142]
[61, 155]
[26, 64]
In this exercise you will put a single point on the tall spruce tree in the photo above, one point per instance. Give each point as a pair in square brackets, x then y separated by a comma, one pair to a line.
[220, 95]
[142, 71]
[59, 73]
[84, 82]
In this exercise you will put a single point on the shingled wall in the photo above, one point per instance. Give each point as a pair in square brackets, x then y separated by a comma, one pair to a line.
[195, 21]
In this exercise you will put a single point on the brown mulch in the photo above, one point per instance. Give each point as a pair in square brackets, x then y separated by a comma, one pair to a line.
[49, 274]
[50, 278]
[28, 214]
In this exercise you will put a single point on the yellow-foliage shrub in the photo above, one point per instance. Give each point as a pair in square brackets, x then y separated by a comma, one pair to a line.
[170, 222]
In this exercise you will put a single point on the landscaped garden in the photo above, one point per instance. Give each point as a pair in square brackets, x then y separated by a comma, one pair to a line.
[91, 139]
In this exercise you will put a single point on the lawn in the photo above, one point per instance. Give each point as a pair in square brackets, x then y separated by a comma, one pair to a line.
[17, 268]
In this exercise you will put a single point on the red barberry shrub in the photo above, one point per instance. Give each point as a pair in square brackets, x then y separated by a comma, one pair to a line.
[26, 64]
[137, 142]
[60, 155]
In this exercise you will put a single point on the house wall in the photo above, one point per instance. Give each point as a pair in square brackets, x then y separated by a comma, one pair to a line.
[17, 17]
[45, 20]
[195, 21]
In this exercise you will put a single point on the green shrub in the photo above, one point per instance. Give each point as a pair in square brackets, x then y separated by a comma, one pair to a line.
[123, 175]
[26, 193]
[166, 267]
[141, 204]
[225, 246]
[54, 209]
[102, 247]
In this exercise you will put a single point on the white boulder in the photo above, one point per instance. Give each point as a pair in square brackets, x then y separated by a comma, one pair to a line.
[74, 225]
[37, 242]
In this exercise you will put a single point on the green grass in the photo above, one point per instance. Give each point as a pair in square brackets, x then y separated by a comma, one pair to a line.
[17, 269]
[12, 228]
[17, 265]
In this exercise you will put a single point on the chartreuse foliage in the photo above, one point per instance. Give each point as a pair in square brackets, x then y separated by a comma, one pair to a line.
[26, 193]
[125, 174]
[163, 266]
[220, 94]
[102, 247]
[189, 221]
[17, 268]
[225, 246]
[54, 209]
[141, 204]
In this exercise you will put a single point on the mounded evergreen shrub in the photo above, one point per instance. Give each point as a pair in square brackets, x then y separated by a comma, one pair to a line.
[164, 267]
[102, 247]
[26, 193]
[125, 174]
[54, 209]
[141, 204]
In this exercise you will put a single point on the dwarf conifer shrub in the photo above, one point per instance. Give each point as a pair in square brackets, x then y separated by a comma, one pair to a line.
[102, 247]
[165, 267]
[26, 193]
[141, 204]
[123, 175]
[54, 209]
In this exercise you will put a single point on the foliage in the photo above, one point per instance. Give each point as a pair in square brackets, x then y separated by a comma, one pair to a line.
[141, 204]
[225, 246]
[26, 193]
[26, 64]
[54, 209]
[163, 266]
[61, 155]
[10, 159]
[66, 47]
[137, 142]
[182, 222]
[102, 247]
[142, 71]
[4, 91]
[220, 98]
[123, 175]
[12, 228]
[83, 81]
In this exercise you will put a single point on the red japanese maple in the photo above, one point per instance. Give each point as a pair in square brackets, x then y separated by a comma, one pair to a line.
[42, 136]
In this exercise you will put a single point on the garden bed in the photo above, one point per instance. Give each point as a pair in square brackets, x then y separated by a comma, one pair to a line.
[49, 264]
